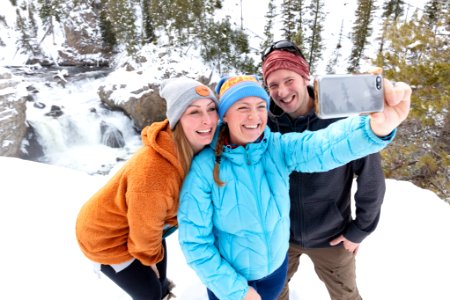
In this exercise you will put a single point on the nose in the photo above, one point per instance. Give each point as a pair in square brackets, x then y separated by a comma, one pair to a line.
[282, 91]
[253, 113]
[206, 119]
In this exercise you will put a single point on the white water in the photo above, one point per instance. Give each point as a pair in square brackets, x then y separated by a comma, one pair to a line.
[73, 139]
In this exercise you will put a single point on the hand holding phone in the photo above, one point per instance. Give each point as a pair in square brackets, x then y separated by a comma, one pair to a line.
[347, 95]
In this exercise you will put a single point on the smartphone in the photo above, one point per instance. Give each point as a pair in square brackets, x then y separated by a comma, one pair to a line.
[348, 95]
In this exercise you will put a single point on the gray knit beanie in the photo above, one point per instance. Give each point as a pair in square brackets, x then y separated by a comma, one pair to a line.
[179, 93]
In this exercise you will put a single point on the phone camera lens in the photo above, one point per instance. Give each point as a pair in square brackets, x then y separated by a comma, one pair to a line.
[378, 81]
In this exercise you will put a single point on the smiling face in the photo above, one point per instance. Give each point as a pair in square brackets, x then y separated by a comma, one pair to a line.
[246, 119]
[199, 123]
[289, 91]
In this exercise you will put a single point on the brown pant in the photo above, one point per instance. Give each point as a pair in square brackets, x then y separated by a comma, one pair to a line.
[335, 267]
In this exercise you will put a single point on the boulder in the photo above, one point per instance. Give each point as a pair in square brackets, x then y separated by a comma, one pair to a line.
[144, 105]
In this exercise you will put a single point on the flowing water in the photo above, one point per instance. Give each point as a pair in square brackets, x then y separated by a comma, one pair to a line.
[67, 115]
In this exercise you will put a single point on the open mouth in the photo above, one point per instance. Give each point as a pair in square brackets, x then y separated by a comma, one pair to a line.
[287, 100]
[256, 126]
[204, 131]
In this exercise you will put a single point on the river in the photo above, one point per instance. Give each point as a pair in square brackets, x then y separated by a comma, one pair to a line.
[67, 115]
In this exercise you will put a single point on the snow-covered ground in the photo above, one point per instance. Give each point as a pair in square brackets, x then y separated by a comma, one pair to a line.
[407, 257]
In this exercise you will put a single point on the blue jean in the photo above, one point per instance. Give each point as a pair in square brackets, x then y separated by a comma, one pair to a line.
[269, 287]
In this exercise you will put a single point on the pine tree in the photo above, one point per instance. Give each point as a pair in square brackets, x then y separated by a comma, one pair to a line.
[24, 42]
[32, 29]
[433, 8]
[148, 26]
[392, 10]
[183, 20]
[268, 27]
[107, 31]
[314, 40]
[118, 22]
[226, 48]
[361, 32]
[336, 55]
[51, 9]
[288, 13]
[27, 27]
[418, 54]
[33, 23]
[299, 36]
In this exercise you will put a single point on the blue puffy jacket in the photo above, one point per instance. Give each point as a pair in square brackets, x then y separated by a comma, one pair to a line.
[240, 232]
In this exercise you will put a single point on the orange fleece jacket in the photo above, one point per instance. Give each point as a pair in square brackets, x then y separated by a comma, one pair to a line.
[125, 218]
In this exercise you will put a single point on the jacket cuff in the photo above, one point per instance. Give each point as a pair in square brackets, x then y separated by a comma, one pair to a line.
[373, 137]
[354, 234]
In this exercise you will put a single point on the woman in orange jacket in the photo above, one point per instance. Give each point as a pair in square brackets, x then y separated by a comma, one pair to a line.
[123, 226]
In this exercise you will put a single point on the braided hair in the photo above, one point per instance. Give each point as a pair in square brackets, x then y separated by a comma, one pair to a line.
[219, 148]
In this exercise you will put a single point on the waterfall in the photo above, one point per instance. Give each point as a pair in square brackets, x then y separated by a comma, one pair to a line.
[68, 121]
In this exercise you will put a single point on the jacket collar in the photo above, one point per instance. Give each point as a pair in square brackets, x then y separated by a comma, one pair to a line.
[250, 154]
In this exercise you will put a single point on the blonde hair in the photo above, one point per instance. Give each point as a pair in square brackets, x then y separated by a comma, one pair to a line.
[184, 148]
[219, 148]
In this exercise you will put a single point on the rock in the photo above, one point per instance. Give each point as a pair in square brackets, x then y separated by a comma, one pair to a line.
[144, 107]
[12, 115]
[111, 136]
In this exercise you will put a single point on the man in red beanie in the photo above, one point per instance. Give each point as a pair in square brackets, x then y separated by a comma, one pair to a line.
[322, 225]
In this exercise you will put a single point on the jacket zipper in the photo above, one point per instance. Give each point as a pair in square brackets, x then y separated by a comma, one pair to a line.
[262, 220]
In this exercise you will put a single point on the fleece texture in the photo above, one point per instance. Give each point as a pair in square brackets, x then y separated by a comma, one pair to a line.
[125, 218]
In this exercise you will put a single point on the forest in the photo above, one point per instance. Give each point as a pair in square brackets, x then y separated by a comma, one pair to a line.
[412, 48]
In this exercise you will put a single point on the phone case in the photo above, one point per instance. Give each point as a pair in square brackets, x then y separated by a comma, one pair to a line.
[348, 95]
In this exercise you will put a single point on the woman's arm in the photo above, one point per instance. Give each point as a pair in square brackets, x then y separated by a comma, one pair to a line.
[331, 147]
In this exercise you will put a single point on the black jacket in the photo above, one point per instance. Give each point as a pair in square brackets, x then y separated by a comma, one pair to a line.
[321, 206]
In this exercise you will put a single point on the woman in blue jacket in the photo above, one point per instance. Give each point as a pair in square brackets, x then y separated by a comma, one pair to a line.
[234, 204]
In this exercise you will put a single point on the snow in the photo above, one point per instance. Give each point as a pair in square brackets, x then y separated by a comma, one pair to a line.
[405, 258]
[160, 61]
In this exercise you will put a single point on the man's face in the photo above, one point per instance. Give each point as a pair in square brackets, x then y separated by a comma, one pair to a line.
[289, 91]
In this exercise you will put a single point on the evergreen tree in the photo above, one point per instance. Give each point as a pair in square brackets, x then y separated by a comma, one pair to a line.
[418, 54]
[392, 10]
[361, 32]
[148, 26]
[107, 31]
[24, 42]
[27, 28]
[118, 17]
[299, 35]
[288, 13]
[268, 27]
[31, 17]
[434, 10]
[336, 55]
[183, 20]
[292, 15]
[226, 48]
[314, 41]
[51, 9]
[32, 28]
